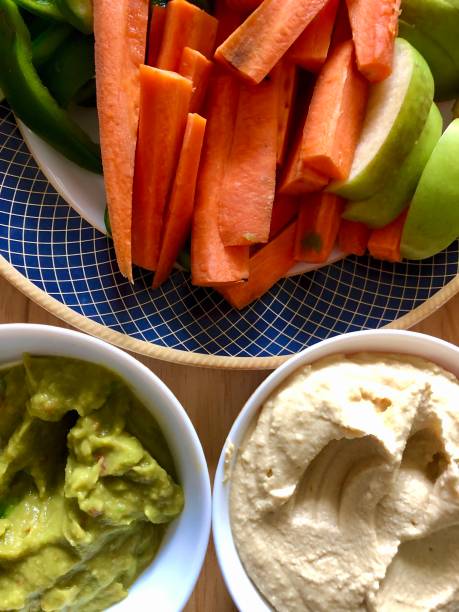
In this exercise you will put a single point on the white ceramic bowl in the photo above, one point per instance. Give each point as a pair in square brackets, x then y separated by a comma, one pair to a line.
[242, 590]
[167, 584]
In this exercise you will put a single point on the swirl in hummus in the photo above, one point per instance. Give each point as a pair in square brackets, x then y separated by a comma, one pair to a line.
[345, 494]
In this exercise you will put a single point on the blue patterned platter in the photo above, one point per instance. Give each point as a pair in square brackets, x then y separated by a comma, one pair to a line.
[68, 266]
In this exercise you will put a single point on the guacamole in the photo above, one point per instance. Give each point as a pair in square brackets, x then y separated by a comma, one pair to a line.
[87, 486]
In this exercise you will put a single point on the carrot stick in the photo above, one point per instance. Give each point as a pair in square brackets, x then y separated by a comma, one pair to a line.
[285, 209]
[259, 43]
[155, 36]
[342, 30]
[335, 115]
[384, 243]
[310, 50]
[248, 188]
[186, 26]
[228, 19]
[165, 98]
[211, 262]
[317, 229]
[244, 5]
[180, 211]
[353, 237]
[197, 68]
[285, 73]
[271, 263]
[118, 57]
[374, 28]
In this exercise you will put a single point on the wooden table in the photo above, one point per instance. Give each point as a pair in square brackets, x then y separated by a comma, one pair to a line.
[212, 398]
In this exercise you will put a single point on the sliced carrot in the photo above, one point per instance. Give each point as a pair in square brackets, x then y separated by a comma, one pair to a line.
[155, 36]
[285, 209]
[197, 68]
[310, 50]
[177, 224]
[244, 5]
[164, 107]
[384, 243]
[260, 42]
[342, 30]
[317, 229]
[228, 20]
[186, 26]
[285, 73]
[353, 237]
[335, 115]
[121, 31]
[297, 178]
[271, 263]
[374, 28]
[211, 262]
[248, 188]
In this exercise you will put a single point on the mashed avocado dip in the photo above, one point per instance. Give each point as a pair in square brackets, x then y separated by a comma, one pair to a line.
[86, 486]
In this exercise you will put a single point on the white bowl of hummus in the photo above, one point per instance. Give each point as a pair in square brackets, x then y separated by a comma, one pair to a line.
[104, 488]
[338, 485]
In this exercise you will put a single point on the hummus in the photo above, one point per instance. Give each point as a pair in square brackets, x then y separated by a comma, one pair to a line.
[345, 495]
[86, 486]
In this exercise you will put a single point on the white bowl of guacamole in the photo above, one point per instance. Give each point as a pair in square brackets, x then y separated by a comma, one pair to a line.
[337, 485]
[104, 488]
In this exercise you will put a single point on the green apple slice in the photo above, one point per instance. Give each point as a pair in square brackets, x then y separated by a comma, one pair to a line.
[396, 114]
[433, 217]
[387, 204]
[444, 70]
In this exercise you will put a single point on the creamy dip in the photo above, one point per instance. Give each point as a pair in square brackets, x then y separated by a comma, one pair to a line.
[345, 494]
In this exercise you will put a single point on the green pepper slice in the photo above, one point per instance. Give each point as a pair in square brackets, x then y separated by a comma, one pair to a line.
[47, 42]
[78, 13]
[29, 98]
[70, 68]
[47, 9]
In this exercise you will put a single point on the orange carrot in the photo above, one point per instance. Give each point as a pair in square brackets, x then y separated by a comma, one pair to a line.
[285, 73]
[374, 28]
[177, 224]
[317, 229]
[342, 30]
[271, 263]
[121, 31]
[285, 209]
[155, 36]
[353, 237]
[197, 68]
[310, 50]
[384, 243]
[228, 20]
[186, 26]
[244, 5]
[259, 43]
[247, 193]
[298, 178]
[164, 107]
[211, 262]
[335, 115]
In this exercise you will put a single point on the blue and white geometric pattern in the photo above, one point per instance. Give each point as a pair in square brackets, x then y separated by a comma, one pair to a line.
[54, 248]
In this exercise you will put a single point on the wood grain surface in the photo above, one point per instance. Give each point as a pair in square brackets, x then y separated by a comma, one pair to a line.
[213, 399]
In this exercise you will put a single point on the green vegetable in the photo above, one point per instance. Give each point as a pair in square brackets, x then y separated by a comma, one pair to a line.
[30, 99]
[70, 68]
[43, 8]
[77, 12]
[48, 41]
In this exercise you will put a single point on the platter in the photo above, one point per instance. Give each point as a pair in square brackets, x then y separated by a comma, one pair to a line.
[67, 265]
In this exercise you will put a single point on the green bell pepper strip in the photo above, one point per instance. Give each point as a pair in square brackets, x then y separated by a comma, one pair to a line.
[31, 101]
[47, 9]
[47, 42]
[78, 13]
[70, 68]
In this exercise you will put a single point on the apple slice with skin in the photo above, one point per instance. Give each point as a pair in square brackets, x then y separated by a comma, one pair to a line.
[396, 114]
[387, 204]
[444, 70]
[433, 217]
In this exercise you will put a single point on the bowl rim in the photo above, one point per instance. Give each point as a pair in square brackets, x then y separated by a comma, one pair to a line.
[239, 585]
[123, 362]
[141, 347]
